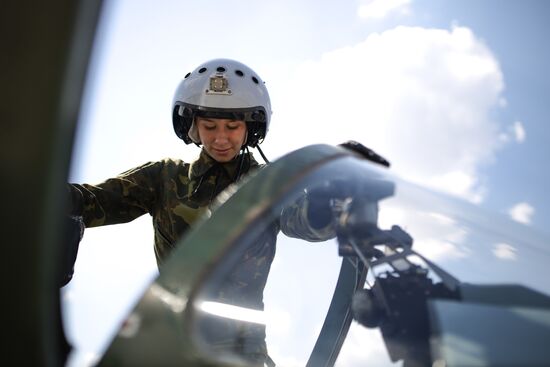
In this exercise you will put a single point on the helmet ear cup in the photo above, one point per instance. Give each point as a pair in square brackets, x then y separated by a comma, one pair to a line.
[256, 128]
[259, 116]
[256, 133]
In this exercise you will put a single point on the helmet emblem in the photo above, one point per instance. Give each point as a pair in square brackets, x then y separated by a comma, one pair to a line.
[218, 85]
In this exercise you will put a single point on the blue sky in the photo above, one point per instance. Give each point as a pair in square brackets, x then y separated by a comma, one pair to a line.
[453, 93]
[515, 32]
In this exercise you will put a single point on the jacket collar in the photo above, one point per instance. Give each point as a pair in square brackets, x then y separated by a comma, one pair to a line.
[204, 163]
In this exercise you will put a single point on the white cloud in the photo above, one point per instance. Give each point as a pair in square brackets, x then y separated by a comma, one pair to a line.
[363, 344]
[437, 250]
[381, 8]
[458, 182]
[522, 212]
[437, 236]
[420, 97]
[505, 251]
[519, 132]
[515, 132]
[91, 322]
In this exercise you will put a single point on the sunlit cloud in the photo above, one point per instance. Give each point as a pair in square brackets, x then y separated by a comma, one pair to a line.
[279, 321]
[442, 219]
[436, 250]
[522, 212]
[505, 251]
[389, 216]
[458, 182]
[519, 132]
[381, 8]
[420, 97]
[515, 132]
[435, 235]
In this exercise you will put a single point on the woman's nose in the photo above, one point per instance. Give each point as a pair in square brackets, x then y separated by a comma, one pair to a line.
[221, 135]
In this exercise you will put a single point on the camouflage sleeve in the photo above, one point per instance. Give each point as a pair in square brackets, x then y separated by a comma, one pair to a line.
[116, 200]
[296, 221]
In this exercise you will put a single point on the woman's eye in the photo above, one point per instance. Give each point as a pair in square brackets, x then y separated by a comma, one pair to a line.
[209, 127]
[233, 126]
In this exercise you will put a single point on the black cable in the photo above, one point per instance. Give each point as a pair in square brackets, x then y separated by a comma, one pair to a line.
[262, 153]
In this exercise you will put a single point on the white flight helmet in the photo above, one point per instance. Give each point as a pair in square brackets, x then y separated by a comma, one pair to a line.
[222, 88]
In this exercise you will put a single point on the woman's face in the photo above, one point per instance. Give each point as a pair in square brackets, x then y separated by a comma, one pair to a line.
[222, 138]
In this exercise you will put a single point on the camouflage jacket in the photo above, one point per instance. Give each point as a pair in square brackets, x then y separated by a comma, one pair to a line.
[176, 194]
[173, 192]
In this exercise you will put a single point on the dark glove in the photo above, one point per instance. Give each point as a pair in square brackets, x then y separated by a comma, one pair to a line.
[322, 198]
[319, 211]
[74, 231]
